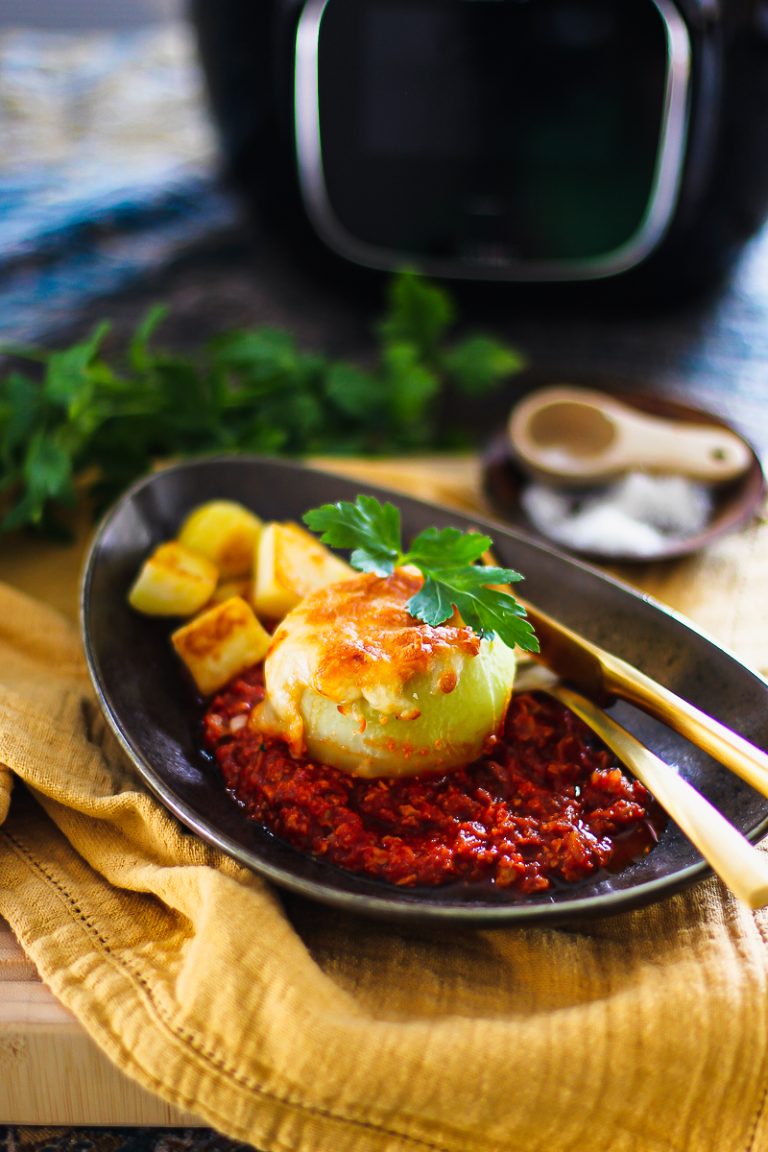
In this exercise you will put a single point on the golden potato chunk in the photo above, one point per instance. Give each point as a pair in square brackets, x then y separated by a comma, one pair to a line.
[290, 564]
[173, 581]
[224, 531]
[220, 643]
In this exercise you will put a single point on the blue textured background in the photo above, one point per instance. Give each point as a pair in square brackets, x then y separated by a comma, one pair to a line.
[108, 166]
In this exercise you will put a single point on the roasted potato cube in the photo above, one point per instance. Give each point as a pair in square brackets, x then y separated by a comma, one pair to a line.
[173, 581]
[225, 532]
[220, 643]
[290, 564]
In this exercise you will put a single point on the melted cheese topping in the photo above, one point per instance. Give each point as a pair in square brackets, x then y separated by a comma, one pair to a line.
[354, 681]
[357, 641]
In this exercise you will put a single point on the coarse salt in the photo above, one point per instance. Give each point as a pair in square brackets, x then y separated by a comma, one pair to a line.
[639, 515]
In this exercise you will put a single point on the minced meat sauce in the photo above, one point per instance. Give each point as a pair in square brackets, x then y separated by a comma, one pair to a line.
[547, 804]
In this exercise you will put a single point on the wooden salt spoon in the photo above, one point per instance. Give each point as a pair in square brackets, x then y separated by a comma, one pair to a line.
[579, 436]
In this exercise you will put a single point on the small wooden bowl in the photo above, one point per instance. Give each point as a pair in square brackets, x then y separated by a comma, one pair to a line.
[734, 505]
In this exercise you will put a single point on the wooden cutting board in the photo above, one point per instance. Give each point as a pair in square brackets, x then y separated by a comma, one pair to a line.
[51, 1072]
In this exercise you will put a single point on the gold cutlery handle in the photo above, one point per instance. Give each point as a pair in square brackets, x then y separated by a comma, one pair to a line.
[741, 866]
[726, 746]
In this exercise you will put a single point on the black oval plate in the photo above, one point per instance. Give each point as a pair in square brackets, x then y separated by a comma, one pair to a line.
[148, 704]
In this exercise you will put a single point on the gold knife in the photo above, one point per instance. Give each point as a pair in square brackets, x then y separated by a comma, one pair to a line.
[602, 677]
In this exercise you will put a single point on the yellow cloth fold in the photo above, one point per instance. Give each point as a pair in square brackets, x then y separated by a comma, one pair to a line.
[302, 1029]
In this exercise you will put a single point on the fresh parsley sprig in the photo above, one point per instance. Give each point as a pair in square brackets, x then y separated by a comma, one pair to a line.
[447, 558]
[84, 421]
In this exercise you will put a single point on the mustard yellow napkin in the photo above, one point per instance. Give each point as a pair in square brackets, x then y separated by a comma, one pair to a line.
[299, 1028]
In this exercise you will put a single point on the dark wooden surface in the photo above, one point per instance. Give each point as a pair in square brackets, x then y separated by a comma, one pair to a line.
[710, 351]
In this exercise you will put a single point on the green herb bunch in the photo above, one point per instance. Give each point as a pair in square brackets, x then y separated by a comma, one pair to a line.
[81, 424]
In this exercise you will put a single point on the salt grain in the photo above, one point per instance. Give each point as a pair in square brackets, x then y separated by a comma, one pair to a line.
[638, 516]
[674, 504]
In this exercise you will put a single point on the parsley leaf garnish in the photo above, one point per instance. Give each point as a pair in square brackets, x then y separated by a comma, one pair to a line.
[446, 557]
[370, 530]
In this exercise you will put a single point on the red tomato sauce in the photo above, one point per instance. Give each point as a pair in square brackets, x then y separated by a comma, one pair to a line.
[547, 805]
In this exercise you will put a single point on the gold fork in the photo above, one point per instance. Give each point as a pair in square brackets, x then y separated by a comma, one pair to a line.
[602, 677]
[739, 864]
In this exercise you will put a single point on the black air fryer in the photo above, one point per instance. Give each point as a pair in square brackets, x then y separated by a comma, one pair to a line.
[552, 141]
